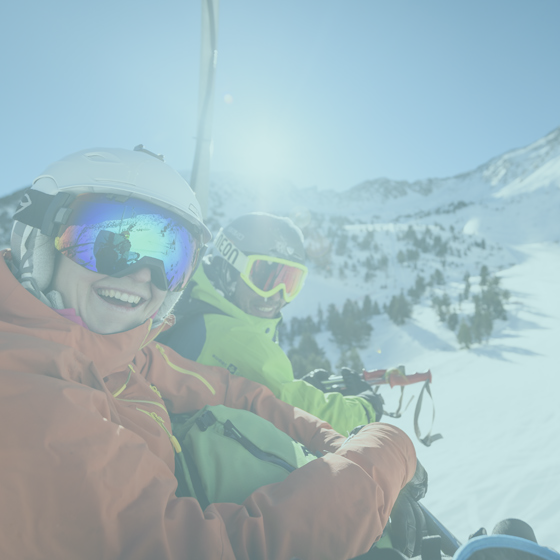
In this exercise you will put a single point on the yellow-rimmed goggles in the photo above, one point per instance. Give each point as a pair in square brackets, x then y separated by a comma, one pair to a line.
[264, 274]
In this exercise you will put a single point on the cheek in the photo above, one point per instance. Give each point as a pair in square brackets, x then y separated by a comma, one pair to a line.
[158, 299]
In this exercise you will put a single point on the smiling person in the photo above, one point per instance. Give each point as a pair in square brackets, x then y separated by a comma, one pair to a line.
[103, 245]
[232, 316]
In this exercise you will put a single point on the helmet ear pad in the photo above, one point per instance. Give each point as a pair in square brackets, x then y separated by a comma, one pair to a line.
[34, 255]
[222, 274]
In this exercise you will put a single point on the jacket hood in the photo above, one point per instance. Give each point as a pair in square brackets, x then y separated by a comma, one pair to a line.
[205, 291]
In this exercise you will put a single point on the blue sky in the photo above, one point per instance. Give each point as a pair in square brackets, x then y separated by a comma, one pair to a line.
[325, 92]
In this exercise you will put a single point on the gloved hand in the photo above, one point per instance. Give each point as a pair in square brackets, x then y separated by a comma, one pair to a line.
[353, 381]
[317, 378]
[355, 385]
[417, 486]
[375, 400]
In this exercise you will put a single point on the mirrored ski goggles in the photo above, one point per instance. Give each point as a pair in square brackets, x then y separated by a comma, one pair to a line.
[116, 236]
[266, 275]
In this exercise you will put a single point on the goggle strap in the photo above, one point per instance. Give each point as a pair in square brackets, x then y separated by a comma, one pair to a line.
[230, 252]
[44, 211]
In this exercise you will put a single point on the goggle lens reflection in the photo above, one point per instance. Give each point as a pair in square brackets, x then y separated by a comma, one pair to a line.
[109, 236]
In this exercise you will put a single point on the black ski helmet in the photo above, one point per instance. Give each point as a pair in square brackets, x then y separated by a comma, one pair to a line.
[257, 233]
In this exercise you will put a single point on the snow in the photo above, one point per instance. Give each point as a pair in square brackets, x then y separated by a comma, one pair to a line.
[496, 406]
[544, 176]
[471, 227]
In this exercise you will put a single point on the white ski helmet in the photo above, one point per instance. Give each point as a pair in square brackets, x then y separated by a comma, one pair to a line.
[138, 173]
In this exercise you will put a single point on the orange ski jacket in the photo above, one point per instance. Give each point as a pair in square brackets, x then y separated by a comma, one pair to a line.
[87, 455]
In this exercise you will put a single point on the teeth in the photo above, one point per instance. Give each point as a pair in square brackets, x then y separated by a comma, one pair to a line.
[127, 298]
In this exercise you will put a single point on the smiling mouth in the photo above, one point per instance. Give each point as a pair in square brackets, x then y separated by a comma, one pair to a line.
[267, 309]
[122, 299]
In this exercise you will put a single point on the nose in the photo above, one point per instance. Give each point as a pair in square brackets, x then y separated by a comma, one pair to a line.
[277, 296]
[142, 275]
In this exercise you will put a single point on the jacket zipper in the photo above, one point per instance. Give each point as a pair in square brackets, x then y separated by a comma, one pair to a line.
[183, 370]
[160, 421]
[232, 432]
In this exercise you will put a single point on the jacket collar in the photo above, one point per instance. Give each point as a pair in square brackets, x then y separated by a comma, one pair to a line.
[23, 313]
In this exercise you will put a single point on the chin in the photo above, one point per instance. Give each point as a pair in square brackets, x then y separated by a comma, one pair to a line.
[109, 327]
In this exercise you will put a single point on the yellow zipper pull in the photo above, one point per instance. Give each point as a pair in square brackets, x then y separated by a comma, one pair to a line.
[155, 390]
[175, 444]
[172, 438]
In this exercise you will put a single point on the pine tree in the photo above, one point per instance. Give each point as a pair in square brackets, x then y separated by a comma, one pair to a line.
[307, 356]
[383, 262]
[464, 336]
[452, 321]
[437, 278]
[351, 358]
[320, 318]
[418, 290]
[333, 317]
[481, 321]
[399, 309]
[341, 245]
[441, 306]
[366, 242]
[484, 275]
[410, 235]
[284, 337]
[349, 328]
[367, 308]
[467, 289]
[493, 297]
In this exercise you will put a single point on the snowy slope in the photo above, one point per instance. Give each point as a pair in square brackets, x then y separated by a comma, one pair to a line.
[496, 406]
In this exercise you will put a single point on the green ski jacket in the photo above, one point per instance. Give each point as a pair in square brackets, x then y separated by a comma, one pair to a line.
[216, 332]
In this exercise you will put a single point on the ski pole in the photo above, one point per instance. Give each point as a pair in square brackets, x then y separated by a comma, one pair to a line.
[394, 377]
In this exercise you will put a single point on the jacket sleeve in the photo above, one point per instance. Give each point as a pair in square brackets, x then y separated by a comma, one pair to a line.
[186, 386]
[379, 453]
[76, 485]
[256, 357]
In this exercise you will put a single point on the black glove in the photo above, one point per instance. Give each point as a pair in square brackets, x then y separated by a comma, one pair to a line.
[317, 377]
[417, 487]
[355, 385]
[408, 523]
[375, 400]
[354, 382]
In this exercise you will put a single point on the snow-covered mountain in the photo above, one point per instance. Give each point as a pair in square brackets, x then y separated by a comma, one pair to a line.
[497, 402]
[498, 186]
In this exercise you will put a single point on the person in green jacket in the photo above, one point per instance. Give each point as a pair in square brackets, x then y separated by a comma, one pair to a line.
[232, 316]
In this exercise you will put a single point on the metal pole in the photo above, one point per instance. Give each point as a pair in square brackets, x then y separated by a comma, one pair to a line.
[200, 175]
